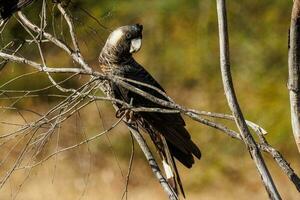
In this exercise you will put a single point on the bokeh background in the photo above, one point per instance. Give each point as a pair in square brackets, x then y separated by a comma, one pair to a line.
[180, 49]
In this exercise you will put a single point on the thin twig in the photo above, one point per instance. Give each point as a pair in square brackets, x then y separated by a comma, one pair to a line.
[73, 146]
[125, 193]
[81, 97]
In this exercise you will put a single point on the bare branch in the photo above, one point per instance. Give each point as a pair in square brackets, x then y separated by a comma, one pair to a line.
[282, 163]
[153, 164]
[39, 66]
[234, 106]
[73, 146]
[73, 36]
[75, 99]
[294, 71]
[57, 42]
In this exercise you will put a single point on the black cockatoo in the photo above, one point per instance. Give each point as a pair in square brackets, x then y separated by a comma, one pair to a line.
[167, 130]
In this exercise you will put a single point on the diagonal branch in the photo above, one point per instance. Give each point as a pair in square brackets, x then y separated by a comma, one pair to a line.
[153, 164]
[54, 40]
[73, 103]
[234, 106]
[172, 108]
[39, 66]
[194, 114]
[69, 21]
[76, 56]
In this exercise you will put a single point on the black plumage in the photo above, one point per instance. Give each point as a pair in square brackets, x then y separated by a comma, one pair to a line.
[9, 7]
[167, 130]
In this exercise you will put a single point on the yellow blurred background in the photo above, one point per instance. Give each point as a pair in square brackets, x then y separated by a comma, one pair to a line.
[180, 49]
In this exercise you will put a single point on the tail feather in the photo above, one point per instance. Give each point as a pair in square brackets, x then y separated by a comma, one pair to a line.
[172, 142]
[175, 136]
[178, 177]
[186, 159]
[171, 168]
[170, 176]
[168, 162]
[1, 21]
[178, 132]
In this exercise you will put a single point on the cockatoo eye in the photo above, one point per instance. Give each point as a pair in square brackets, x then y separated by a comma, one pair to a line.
[128, 35]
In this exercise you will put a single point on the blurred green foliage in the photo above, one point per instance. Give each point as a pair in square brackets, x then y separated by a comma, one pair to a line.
[180, 48]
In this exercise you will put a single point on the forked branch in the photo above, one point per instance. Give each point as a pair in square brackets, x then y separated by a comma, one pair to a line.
[75, 99]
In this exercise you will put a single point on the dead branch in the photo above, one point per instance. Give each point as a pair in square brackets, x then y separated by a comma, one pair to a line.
[153, 164]
[234, 105]
[73, 146]
[75, 99]
[294, 71]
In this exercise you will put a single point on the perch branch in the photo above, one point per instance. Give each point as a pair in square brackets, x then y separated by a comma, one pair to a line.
[194, 114]
[77, 58]
[69, 105]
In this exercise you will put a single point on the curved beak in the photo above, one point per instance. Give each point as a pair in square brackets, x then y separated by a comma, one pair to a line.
[135, 45]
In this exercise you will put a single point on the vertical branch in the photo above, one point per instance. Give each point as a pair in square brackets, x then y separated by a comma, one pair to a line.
[294, 71]
[234, 106]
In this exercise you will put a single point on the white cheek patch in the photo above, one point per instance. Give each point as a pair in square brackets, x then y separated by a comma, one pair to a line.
[115, 37]
[135, 45]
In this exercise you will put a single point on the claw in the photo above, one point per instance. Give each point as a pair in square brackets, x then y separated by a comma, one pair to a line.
[128, 115]
[121, 112]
